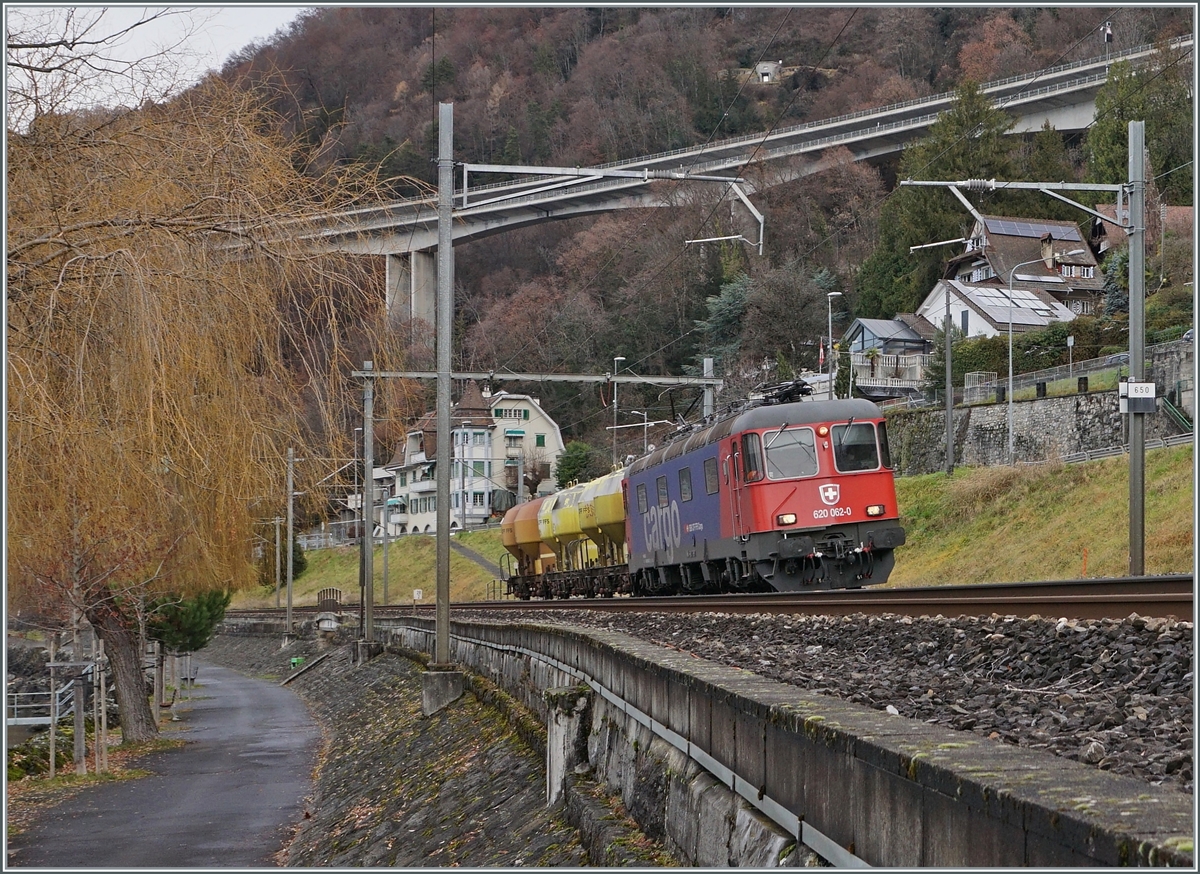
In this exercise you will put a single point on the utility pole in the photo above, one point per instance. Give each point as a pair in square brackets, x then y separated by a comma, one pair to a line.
[291, 488]
[1137, 343]
[387, 510]
[709, 402]
[368, 532]
[277, 561]
[445, 329]
[1135, 227]
[946, 330]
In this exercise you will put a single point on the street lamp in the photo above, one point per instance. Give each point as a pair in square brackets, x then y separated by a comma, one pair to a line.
[830, 296]
[1054, 258]
[645, 428]
[614, 373]
[949, 363]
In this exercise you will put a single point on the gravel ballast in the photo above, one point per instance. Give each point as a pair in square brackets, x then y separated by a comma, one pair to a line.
[1117, 695]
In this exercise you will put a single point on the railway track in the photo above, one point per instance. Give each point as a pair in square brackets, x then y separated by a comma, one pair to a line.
[1111, 598]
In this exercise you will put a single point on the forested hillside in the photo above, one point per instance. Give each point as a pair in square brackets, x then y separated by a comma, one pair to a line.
[580, 86]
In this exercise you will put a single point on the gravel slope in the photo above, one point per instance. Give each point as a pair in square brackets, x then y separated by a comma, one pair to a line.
[1117, 695]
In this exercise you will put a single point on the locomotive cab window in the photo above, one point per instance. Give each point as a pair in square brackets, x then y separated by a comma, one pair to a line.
[854, 447]
[641, 496]
[791, 453]
[752, 457]
[711, 481]
[663, 499]
[685, 484]
[885, 455]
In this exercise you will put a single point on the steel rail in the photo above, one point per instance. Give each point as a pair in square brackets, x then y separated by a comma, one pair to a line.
[1109, 598]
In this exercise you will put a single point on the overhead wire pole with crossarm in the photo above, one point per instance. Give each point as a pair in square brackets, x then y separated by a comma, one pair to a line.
[1135, 190]
[946, 330]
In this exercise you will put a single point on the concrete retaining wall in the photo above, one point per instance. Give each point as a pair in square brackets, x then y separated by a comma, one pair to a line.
[730, 768]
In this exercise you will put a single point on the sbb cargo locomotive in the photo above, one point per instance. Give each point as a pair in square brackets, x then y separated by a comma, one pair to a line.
[780, 496]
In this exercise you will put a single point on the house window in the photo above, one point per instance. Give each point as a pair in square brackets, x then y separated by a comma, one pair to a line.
[478, 468]
[1080, 271]
[540, 440]
[403, 479]
[685, 484]
[525, 415]
[476, 499]
[477, 438]
[965, 322]
[512, 442]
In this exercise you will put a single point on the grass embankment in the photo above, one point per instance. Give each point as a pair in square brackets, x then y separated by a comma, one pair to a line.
[983, 525]
[412, 564]
[1038, 522]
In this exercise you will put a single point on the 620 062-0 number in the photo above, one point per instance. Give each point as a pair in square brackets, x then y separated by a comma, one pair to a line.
[832, 513]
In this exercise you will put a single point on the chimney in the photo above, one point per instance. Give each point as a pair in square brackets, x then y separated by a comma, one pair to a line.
[1048, 250]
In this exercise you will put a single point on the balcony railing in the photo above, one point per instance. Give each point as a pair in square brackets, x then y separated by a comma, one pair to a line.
[889, 371]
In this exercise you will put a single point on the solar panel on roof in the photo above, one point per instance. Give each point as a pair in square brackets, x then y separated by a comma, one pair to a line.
[1032, 229]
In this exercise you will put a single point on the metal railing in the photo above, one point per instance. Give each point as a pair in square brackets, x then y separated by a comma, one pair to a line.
[986, 391]
[1114, 451]
[1176, 415]
[33, 708]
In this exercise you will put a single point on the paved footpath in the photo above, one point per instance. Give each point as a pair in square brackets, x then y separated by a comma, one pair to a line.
[225, 799]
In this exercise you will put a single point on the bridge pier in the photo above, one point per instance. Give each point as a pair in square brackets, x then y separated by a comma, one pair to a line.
[411, 280]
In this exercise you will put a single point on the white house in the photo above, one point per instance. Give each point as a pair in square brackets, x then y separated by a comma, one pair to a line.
[500, 441]
[988, 310]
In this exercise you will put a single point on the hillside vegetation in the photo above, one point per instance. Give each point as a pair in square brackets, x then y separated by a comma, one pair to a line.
[1054, 521]
[357, 89]
[983, 525]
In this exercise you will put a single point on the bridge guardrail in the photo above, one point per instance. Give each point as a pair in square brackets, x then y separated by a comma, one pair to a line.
[807, 145]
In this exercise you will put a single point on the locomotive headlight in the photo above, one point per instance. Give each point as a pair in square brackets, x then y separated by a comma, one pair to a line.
[823, 431]
[875, 510]
[785, 519]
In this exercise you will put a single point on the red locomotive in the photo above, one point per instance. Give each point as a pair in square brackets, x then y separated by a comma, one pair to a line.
[784, 495]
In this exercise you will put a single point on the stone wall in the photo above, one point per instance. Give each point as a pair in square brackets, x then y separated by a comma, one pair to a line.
[1045, 429]
[1173, 368]
[729, 768]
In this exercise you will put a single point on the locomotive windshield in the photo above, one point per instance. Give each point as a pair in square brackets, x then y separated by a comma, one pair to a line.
[854, 447]
[791, 453]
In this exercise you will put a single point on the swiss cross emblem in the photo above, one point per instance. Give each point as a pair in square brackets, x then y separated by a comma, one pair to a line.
[830, 493]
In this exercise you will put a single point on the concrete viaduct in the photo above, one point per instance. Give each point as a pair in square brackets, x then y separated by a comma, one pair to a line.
[406, 231]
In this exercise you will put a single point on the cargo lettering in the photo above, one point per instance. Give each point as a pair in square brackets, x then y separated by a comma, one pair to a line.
[662, 528]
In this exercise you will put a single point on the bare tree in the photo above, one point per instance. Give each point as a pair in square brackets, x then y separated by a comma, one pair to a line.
[536, 463]
[168, 340]
[61, 59]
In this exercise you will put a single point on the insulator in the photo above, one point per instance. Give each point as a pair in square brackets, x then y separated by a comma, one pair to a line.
[981, 185]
